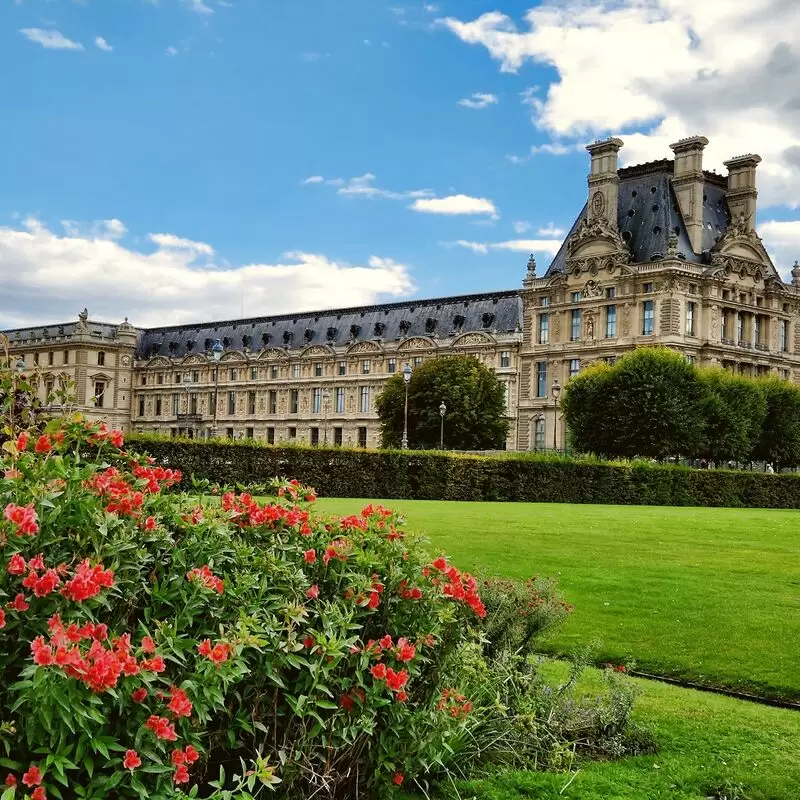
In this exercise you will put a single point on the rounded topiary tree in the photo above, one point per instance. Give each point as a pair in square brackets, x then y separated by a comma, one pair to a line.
[476, 415]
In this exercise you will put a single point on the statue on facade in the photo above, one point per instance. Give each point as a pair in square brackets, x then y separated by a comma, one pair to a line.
[590, 327]
[82, 324]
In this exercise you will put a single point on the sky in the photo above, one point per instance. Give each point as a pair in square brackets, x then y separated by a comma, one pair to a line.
[175, 161]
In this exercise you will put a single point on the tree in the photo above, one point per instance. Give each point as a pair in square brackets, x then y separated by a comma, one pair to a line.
[734, 408]
[650, 404]
[583, 404]
[779, 442]
[476, 406]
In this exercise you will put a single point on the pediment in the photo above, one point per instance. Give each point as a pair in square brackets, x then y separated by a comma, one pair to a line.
[159, 361]
[233, 355]
[363, 347]
[473, 339]
[272, 353]
[596, 238]
[317, 350]
[740, 245]
[417, 343]
[194, 358]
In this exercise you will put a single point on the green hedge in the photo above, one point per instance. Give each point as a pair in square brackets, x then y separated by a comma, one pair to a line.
[387, 474]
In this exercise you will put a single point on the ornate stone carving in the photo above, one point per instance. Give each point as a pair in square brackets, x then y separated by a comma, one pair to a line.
[363, 347]
[467, 340]
[590, 327]
[715, 323]
[598, 204]
[592, 289]
[82, 325]
[317, 350]
[626, 319]
[598, 228]
[556, 317]
[416, 344]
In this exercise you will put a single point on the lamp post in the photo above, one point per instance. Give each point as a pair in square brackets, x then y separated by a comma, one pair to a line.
[406, 380]
[326, 400]
[442, 412]
[555, 390]
[217, 350]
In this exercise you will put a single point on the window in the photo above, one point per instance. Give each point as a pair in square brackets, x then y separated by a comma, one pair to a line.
[392, 366]
[574, 367]
[611, 292]
[318, 369]
[544, 329]
[36, 359]
[739, 327]
[101, 358]
[251, 403]
[316, 403]
[784, 336]
[340, 401]
[757, 329]
[690, 318]
[270, 435]
[363, 400]
[611, 322]
[160, 378]
[418, 361]
[538, 433]
[544, 302]
[50, 358]
[337, 436]
[99, 393]
[343, 368]
[231, 402]
[177, 377]
[66, 359]
[158, 406]
[362, 437]
[292, 433]
[141, 406]
[295, 370]
[229, 433]
[575, 297]
[248, 432]
[314, 437]
[366, 365]
[176, 401]
[253, 373]
[48, 388]
[142, 380]
[575, 325]
[690, 359]
[272, 403]
[273, 372]
[293, 401]
[647, 288]
[234, 374]
[505, 358]
[647, 318]
[541, 379]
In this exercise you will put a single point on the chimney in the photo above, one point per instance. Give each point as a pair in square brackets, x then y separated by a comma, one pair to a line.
[688, 183]
[604, 181]
[742, 192]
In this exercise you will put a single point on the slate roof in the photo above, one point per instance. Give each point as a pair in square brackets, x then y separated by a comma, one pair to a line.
[100, 330]
[647, 214]
[495, 312]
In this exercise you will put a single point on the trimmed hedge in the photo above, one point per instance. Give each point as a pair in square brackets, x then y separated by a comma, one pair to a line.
[394, 474]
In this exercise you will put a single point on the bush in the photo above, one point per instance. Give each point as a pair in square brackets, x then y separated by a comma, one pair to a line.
[518, 477]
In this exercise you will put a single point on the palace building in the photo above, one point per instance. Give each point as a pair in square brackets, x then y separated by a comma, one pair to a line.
[662, 253]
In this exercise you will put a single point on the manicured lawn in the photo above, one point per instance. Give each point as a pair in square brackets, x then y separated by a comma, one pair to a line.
[706, 742]
[711, 595]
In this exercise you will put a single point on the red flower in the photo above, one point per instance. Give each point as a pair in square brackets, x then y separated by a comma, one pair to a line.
[206, 578]
[22, 441]
[16, 565]
[346, 702]
[42, 652]
[43, 445]
[308, 641]
[39, 793]
[313, 592]
[150, 523]
[416, 593]
[374, 600]
[2, 618]
[161, 727]
[47, 584]
[204, 648]
[24, 517]
[131, 760]
[88, 582]
[181, 774]
[33, 777]
[19, 603]
[116, 438]
[440, 563]
[310, 556]
[396, 680]
[379, 672]
[386, 642]
[154, 664]
[397, 779]
[148, 645]
[220, 653]
[177, 757]
[401, 696]
[405, 650]
[139, 695]
[180, 705]
[191, 754]
[11, 780]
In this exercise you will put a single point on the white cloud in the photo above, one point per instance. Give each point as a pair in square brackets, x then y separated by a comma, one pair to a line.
[454, 204]
[363, 186]
[661, 70]
[551, 230]
[44, 274]
[103, 44]
[430, 8]
[313, 179]
[50, 39]
[198, 6]
[554, 148]
[521, 227]
[782, 240]
[102, 229]
[478, 100]
[549, 246]
[171, 51]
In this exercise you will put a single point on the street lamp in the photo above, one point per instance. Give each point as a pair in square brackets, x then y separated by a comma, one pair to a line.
[406, 380]
[217, 350]
[326, 400]
[555, 390]
[442, 412]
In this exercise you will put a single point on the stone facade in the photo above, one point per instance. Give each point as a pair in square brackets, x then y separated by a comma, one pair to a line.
[662, 253]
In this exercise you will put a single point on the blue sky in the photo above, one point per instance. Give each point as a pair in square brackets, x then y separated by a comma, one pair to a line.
[161, 171]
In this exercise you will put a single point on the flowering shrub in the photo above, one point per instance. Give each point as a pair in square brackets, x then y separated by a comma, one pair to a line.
[161, 645]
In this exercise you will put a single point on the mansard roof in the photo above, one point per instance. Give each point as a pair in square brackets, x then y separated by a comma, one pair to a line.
[494, 312]
[648, 214]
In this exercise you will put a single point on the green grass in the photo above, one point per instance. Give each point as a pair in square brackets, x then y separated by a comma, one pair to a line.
[706, 742]
[710, 595]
